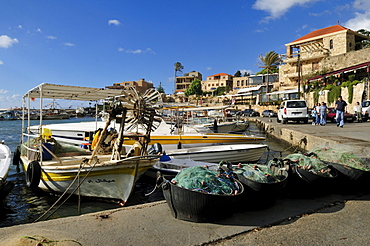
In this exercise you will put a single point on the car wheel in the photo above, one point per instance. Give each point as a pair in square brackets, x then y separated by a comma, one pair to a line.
[305, 121]
[278, 121]
[285, 121]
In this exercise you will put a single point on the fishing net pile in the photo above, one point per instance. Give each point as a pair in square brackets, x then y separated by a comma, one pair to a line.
[341, 157]
[258, 173]
[311, 164]
[202, 179]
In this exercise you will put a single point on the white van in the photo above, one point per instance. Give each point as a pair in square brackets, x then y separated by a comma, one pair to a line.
[365, 110]
[295, 110]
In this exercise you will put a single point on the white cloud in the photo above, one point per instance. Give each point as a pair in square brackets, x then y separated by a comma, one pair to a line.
[20, 27]
[6, 41]
[69, 44]
[1, 62]
[362, 17]
[138, 51]
[51, 37]
[243, 71]
[209, 68]
[39, 30]
[10, 101]
[2, 91]
[114, 22]
[277, 8]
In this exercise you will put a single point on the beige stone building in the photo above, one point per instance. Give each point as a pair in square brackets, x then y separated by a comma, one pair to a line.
[183, 82]
[323, 51]
[140, 85]
[253, 81]
[217, 80]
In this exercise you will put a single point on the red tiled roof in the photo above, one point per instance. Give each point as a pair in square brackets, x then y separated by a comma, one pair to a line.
[220, 74]
[323, 31]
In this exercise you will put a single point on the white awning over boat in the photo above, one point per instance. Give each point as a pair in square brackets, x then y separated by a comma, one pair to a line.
[283, 92]
[249, 89]
[207, 108]
[68, 92]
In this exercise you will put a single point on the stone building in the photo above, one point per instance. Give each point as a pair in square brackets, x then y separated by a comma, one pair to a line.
[319, 52]
[217, 80]
[140, 85]
[183, 82]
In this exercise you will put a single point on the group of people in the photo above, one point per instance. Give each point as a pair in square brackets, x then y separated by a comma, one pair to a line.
[320, 111]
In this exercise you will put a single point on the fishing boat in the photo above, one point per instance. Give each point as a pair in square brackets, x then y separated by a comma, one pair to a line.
[234, 153]
[5, 157]
[8, 115]
[166, 134]
[106, 171]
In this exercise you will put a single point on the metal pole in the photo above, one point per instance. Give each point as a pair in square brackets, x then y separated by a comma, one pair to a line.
[299, 75]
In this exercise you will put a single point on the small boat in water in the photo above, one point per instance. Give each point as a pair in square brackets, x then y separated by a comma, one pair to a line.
[234, 153]
[104, 172]
[5, 157]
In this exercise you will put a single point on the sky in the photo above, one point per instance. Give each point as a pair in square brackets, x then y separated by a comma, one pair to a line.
[96, 43]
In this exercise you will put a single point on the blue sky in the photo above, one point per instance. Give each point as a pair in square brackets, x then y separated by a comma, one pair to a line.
[97, 43]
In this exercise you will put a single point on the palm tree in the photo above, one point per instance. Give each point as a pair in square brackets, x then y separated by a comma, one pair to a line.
[178, 68]
[268, 63]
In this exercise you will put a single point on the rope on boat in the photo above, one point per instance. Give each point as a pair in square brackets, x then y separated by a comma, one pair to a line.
[88, 162]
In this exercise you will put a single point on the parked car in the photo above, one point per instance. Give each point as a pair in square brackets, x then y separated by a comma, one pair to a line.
[269, 113]
[249, 113]
[294, 110]
[332, 114]
[365, 110]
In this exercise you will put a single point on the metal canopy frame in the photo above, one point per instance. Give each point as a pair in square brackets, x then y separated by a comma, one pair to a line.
[68, 92]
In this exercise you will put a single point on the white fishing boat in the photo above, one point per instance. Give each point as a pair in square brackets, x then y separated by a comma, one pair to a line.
[5, 157]
[166, 134]
[234, 153]
[106, 171]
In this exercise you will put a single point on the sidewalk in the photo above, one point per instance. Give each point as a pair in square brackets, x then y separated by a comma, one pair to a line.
[335, 219]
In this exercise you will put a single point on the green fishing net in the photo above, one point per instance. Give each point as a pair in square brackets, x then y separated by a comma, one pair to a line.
[202, 179]
[341, 157]
[258, 173]
[311, 164]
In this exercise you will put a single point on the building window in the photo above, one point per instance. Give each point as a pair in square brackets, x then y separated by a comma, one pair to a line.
[331, 43]
[238, 83]
[242, 82]
[315, 66]
[222, 84]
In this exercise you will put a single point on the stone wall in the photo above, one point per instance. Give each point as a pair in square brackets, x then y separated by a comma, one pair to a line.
[357, 97]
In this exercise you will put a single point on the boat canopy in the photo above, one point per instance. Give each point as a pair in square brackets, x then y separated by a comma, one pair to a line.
[68, 92]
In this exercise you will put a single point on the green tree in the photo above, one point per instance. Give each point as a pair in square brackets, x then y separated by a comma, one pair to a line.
[270, 63]
[238, 74]
[195, 88]
[178, 67]
[160, 88]
[364, 43]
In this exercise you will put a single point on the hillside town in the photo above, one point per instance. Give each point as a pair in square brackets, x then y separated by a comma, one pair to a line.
[313, 68]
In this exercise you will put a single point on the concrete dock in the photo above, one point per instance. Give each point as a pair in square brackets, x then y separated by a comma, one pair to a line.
[334, 219]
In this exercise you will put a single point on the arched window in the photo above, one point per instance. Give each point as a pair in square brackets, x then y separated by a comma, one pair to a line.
[331, 43]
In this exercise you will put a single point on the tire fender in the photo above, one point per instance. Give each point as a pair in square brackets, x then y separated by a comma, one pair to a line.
[33, 174]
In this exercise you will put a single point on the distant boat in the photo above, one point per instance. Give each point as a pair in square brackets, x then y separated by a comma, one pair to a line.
[8, 115]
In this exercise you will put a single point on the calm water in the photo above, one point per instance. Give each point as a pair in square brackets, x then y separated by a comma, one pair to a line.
[24, 206]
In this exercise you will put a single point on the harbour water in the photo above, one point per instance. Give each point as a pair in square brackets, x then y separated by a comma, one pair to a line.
[23, 205]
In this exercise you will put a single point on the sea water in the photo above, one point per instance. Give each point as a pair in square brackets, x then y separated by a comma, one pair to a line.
[23, 205]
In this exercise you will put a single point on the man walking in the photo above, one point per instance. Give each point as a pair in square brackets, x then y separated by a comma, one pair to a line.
[340, 107]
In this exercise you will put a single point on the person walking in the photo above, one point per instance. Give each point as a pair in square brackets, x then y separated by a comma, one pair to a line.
[358, 112]
[323, 113]
[314, 115]
[340, 106]
[317, 114]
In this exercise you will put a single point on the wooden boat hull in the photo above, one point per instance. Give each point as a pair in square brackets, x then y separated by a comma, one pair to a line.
[106, 180]
[214, 154]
